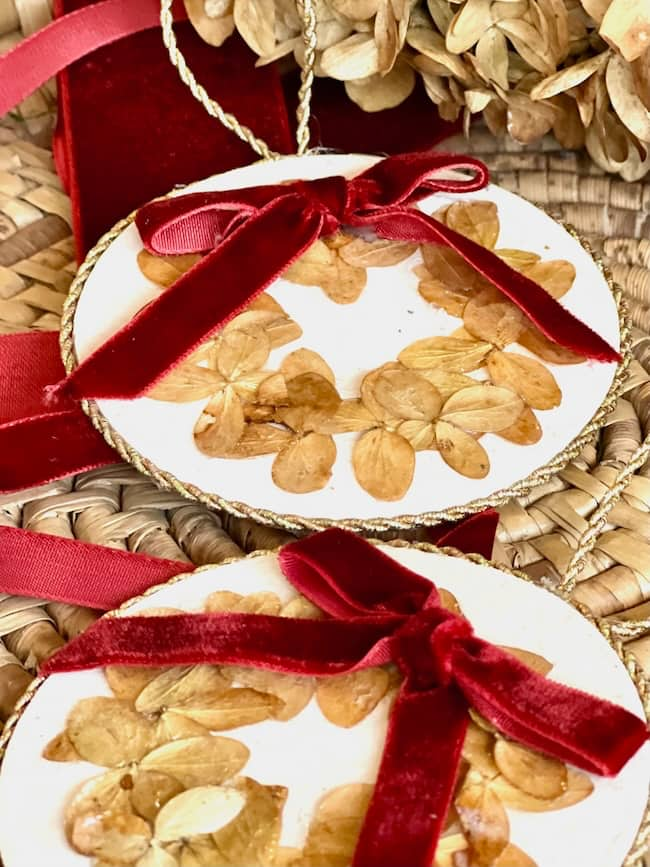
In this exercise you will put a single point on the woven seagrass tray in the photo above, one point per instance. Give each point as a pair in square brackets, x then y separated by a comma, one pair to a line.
[599, 505]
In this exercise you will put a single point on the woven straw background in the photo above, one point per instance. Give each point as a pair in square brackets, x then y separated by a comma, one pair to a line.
[119, 508]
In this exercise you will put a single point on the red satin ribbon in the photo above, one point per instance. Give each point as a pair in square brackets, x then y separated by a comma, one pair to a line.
[379, 611]
[254, 234]
[39, 57]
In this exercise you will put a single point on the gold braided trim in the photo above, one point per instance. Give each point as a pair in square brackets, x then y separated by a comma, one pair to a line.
[641, 844]
[306, 74]
[298, 523]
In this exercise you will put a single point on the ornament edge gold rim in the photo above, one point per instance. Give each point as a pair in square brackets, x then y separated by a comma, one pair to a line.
[641, 843]
[297, 523]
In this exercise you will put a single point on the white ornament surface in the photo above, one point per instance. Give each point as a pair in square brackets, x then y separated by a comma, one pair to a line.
[353, 339]
[311, 756]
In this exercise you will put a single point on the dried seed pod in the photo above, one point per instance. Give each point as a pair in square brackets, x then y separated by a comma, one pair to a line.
[346, 699]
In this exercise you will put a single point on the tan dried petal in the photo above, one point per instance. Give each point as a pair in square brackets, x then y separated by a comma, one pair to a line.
[108, 732]
[351, 415]
[151, 790]
[277, 326]
[450, 354]
[461, 451]
[306, 361]
[513, 856]
[198, 761]
[235, 707]
[449, 601]
[491, 316]
[314, 391]
[288, 856]
[187, 382]
[406, 395]
[520, 260]
[356, 10]
[457, 279]
[174, 726]
[447, 383]
[255, 22]
[252, 837]
[313, 266]
[301, 609]
[102, 794]
[353, 58]
[420, 434]
[448, 846]
[532, 660]
[377, 93]
[128, 681]
[224, 416]
[260, 439]
[61, 749]
[484, 822]
[492, 56]
[527, 120]
[537, 343]
[468, 25]
[368, 398]
[336, 825]
[554, 275]
[478, 221]
[526, 377]
[384, 464]
[119, 838]
[482, 408]
[533, 773]
[165, 270]
[478, 750]
[526, 431]
[155, 856]
[202, 810]
[262, 602]
[273, 390]
[572, 76]
[212, 28]
[305, 464]
[578, 787]
[379, 253]
[293, 691]
[240, 352]
[627, 103]
[346, 699]
[176, 686]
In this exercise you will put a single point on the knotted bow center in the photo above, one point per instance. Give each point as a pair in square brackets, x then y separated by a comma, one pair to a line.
[423, 647]
[340, 201]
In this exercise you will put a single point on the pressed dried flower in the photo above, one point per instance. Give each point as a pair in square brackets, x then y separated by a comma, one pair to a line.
[346, 699]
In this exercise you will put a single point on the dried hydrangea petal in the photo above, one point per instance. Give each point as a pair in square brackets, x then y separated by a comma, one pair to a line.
[578, 787]
[534, 341]
[293, 691]
[378, 253]
[478, 221]
[478, 750]
[201, 810]
[336, 824]
[420, 434]
[165, 270]
[151, 791]
[532, 660]
[231, 709]
[484, 822]
[301, 609]
[346, 699]
[526, 431]
[448, 846]
[223, 600]
[368, 397]
[61, 749]
[240, 352]
[127, 682]
[383, 464]
[306, 361]
[260, 438]
[406, 395]
[221, 424]
[513, 856]
[98, 795]
[533, 773]
[446, 382]
[351, 415]
[556, 276]
[155, 856]
[108, 732]
[450, 354]
[199, 761]
[461, 451]
[492, 317]
[172, 726]
[305, 464]
[526, 377]
[482, 409]
[119, 838]
[520, 260]
[179, 686]
[187, 382]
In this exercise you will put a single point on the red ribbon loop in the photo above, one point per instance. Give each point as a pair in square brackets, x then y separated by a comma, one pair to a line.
[382, 612]
[254, 234]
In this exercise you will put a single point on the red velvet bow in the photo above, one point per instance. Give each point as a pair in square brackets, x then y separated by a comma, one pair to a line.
[379, 612]
[254, 234]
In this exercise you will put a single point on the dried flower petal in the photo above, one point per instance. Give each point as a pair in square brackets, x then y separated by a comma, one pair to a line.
[128, 681]
[202, 810]
[306, 361]
[461, 451]
[406, 395]
[102, 794]
[578, 787]
[186, 382]
[213, 29]
[234, 708]
[484, 822]
[165, 270]
[346, 699]
[492, 56]
[314, 391]
[520, 260]
[449, 601]
[302, 609]
[482, 408]
[255, 22]
[447, 383]
[468, 25]
[450, 354]
[260, 439]
[512, 856]
[532, 660]
[537, 343]
[420, 434]
[221, 425]
[478, 221]
[490, 316]
[526, 377]
[379, 253]
[572, 76]
[533, 773]
[478, 750]
[200, 761]
[448, 846]
[554, 275]
[108, 732]
[150, 791]
[273, 390]
[61, 749]
[155, 856]
[177, 686]
[336, 825]
[119, 838]
[293, 691]
[305, 464]
[240, 352]
[352, 58]
[384, 464]
[351, 415]
[526, 431]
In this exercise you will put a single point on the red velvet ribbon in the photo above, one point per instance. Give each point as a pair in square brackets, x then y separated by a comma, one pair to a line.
[254, 234]
[379, 612]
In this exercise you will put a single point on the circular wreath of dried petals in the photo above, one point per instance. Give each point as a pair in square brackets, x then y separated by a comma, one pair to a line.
[423, 400]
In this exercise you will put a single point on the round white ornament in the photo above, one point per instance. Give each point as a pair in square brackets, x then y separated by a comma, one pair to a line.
[310, 756]
[389, 315]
